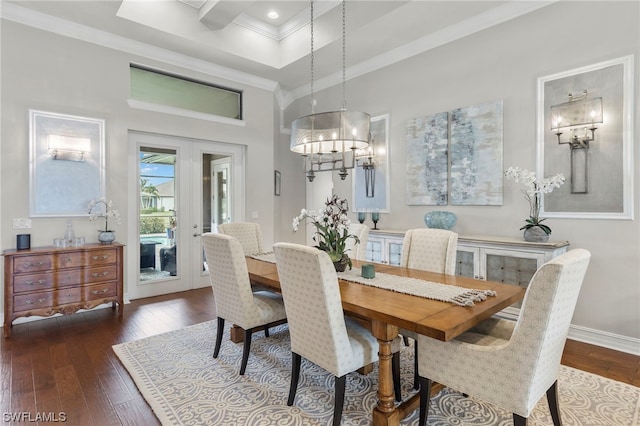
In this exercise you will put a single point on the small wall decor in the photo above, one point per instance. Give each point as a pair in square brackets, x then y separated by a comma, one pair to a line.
[456, 156]
[67, 163]
[372, 192]
[277, 182]
[594, 153]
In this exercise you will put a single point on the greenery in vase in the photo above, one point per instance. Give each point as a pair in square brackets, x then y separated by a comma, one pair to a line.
[103, 208]
[533, 190]
[332, 228]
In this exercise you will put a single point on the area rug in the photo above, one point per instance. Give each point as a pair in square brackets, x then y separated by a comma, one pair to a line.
[185, 385]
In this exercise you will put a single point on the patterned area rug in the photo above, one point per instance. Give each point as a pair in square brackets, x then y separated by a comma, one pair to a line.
[178, 377]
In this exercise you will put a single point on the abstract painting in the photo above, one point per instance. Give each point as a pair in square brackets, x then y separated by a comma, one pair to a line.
[476, 155]
[427, 160]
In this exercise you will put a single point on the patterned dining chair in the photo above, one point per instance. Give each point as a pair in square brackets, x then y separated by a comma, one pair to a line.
[248, 234]
[511, 364]
[234, 299]
[318, 328]
[432, 250]
[358, 251]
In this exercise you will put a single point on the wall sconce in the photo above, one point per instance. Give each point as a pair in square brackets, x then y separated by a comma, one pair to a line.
[68, 148]
[365, 158]
[579, 117]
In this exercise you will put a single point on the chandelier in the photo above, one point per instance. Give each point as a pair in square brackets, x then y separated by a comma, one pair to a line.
[329, 140]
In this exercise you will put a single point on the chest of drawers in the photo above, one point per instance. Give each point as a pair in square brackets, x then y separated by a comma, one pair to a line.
[45, 281]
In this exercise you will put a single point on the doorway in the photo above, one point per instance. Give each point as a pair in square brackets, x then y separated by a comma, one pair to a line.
[175, 197]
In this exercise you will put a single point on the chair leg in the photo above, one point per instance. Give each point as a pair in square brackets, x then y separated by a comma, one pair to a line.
[245, 351]
[295, 375]
[266, 332]
[519, 420]
[405, 339]
[339, 399]
[395, 368]
[219, 333]
[552, 398]
[416, 377]
[425, 397]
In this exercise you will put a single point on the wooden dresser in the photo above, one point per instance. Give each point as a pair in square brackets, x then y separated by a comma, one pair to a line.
[44, 281]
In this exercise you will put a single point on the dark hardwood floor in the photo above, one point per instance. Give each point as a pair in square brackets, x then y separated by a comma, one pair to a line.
[66, 364]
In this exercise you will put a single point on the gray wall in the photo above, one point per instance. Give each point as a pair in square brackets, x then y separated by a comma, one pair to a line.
[503, 63]
[41, 70]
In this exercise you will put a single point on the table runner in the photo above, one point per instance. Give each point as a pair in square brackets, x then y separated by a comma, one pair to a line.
[428, 289]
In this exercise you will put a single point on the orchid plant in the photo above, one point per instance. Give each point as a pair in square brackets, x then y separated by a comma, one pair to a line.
[332, 228]
[107, 211]
[533, 190]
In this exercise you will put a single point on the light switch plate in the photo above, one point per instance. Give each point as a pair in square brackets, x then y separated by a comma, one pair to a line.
[21, 223]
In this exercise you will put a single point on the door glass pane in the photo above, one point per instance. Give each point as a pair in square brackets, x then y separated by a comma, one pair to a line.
[374, 251]
[465, 263]
[511, 270]
[395, 253]
[158, 220]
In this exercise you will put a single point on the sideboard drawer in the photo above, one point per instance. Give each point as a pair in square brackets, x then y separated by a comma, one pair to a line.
[45, 299]
[32, 263]
[102, 257]
[32, 282]
[103, 273]
[69, 260]
[100, 291]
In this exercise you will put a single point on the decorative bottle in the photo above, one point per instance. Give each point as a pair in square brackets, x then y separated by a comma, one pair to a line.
[69, 235]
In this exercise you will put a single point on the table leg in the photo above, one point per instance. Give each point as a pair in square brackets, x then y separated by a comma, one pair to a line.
[385, 413]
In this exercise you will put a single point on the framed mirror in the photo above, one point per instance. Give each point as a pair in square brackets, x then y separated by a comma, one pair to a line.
[66, 163]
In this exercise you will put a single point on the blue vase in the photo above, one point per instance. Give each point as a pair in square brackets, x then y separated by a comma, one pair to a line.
[440, 219]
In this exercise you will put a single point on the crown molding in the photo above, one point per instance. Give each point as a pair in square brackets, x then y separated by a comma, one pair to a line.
[21, 15]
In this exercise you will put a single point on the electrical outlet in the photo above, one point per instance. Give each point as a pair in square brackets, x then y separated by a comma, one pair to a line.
[254, 215]
[21, 223]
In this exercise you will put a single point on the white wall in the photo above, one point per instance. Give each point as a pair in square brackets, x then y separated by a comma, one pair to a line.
[45, 71]
[504, 63]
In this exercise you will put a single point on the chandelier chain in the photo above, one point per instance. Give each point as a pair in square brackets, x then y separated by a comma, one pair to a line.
[344, 56]
[312, 57]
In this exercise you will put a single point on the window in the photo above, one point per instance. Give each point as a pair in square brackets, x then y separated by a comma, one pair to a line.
[162, 88]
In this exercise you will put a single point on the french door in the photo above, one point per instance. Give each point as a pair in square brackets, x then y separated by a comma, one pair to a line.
[174, 197]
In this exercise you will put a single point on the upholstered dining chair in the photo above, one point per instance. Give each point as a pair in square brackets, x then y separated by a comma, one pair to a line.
[358, 251]
[432, 250]
[234, 299]
[511, 363]
[318, 328]
[248, 234]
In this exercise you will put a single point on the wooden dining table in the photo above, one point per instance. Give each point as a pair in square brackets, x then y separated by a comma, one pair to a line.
[387, 311]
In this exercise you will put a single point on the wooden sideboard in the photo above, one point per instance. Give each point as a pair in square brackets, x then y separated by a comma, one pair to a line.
[44, 281]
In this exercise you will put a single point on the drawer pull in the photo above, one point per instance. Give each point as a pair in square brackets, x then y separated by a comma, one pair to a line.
[100, 274]
[30, 302]
[103, 257]
[31, 264]
[68, 260]
[41, 281]
[106, 290]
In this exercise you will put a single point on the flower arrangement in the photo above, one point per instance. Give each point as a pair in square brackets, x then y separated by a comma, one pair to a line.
[332, 228]
[107, 212]
[533, 190]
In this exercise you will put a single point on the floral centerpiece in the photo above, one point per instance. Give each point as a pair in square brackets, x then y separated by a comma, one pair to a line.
[534, 230]
[103, 208]
[332, 230]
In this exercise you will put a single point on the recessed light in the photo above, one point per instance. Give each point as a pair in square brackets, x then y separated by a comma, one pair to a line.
[273, 14]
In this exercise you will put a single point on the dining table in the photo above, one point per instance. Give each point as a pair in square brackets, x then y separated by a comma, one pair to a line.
[386, 311]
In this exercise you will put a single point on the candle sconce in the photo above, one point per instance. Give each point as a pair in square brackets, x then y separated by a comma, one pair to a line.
[579, 118]
[375, 217]
[362, 216]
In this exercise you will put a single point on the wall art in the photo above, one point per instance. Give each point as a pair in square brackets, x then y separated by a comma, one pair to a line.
[375, 195]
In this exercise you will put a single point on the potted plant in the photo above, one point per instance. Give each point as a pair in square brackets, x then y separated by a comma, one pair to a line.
[104, 208]
[332, 230]
[534, 230]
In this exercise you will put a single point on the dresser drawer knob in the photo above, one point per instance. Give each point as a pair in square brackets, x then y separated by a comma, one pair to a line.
[103, 257]
[31, 264]
[106, 290]
[100, 274]
[30, 302]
